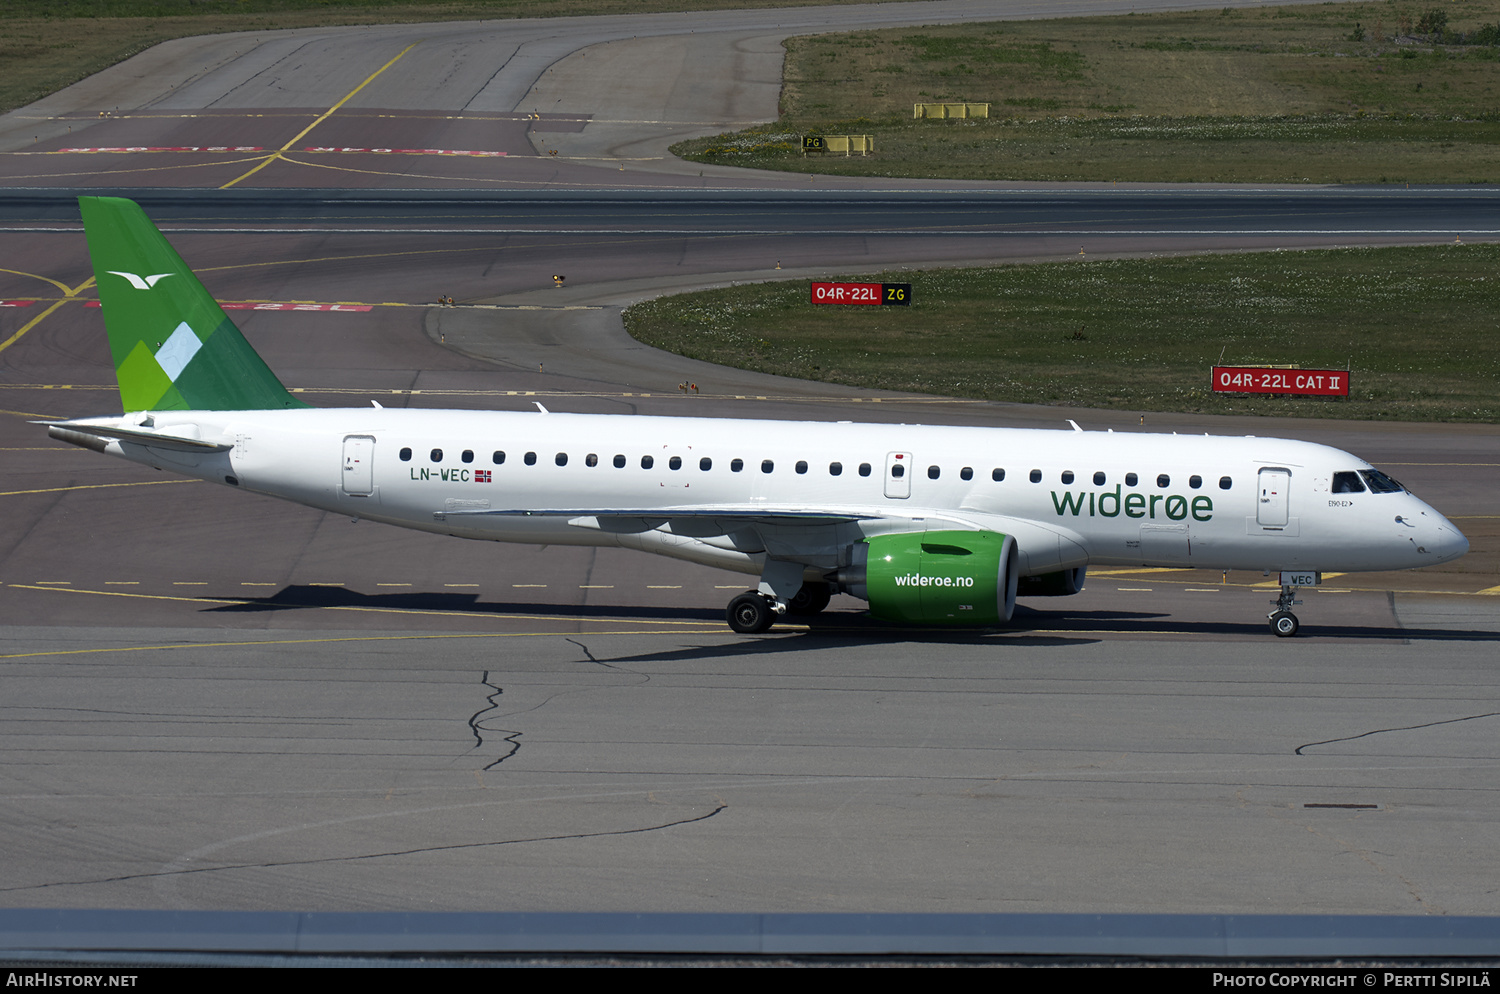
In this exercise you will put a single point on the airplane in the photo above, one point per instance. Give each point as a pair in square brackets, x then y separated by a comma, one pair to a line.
[931, 525]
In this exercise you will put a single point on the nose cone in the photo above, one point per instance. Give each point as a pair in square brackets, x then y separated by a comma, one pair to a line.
[1437, 540]
[1451, 542]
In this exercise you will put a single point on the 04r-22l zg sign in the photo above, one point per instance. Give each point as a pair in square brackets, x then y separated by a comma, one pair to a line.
[898, 294]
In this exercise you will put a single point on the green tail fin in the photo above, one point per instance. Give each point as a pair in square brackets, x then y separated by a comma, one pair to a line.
[174, 347]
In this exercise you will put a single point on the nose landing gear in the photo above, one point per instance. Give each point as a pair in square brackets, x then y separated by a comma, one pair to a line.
[1284, 623]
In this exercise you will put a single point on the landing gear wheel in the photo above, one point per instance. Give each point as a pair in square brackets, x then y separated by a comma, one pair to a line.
[1284, 624]
[811, 599]
[750, 613]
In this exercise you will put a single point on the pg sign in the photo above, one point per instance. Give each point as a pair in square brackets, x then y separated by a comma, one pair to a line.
[1258, 379]
[889, 294]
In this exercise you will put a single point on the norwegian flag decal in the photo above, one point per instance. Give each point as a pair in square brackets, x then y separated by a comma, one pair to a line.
[482, 476]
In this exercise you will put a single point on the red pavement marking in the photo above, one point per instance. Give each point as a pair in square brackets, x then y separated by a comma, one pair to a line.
[405, 151]
[310, 148]
[170, 148]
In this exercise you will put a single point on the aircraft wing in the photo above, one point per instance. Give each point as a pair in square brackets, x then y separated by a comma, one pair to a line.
[741, 513]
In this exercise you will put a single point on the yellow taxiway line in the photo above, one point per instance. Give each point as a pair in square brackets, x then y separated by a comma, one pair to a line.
[321, 118]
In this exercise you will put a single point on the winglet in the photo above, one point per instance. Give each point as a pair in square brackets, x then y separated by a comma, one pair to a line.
[174, 348]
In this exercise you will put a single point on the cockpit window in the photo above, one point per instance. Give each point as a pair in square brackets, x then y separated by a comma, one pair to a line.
[1347, 483]
[1380, 483]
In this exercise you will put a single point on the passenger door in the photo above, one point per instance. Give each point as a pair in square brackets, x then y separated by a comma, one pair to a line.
[1271, 508]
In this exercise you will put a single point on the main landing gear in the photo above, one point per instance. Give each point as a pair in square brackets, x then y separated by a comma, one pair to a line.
[754, 612]
[1283, 622]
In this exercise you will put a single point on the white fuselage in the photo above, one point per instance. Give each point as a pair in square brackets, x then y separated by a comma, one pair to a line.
[1069, 498]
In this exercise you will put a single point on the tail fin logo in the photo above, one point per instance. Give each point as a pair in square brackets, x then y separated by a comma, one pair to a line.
[178, 350]
[141, 282]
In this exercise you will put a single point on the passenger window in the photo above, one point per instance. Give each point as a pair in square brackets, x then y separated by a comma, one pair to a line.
[1225, 483]
[967, 473]
[561, 459]
[619, 462]
[592, 459]
[835, 469]
[1131, 479]
[530, 459]
[735, 465]
[406, 455]
[1036, 476]
[801, 466]
[1347, 483]
[1196, 482]
[767, 465]
[468, 455]
[498, 457]
[647, 462]
[933, 472]
[1067, 476]
[1163, 481]
[674, 463]
[1099, 479]
[705, 464]
[998, 475]
[864, 469]
[898, 471]
[437, 455]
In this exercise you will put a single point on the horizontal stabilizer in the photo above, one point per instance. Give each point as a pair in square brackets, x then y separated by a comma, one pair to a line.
[94, 436]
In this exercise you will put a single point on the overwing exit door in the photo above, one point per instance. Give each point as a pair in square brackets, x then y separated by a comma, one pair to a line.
[898, 475]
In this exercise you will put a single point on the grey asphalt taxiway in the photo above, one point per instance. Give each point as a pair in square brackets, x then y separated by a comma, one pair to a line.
[215, 700]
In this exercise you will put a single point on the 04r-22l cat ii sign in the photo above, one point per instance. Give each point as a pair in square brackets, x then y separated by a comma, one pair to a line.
[929, 524]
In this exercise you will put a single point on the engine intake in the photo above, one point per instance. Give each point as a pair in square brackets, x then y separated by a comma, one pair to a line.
[1062, 583]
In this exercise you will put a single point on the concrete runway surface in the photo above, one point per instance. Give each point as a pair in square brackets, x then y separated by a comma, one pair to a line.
[214, 700]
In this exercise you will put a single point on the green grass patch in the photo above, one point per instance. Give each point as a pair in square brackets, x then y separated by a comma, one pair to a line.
[1340, 92]
[1419, 327]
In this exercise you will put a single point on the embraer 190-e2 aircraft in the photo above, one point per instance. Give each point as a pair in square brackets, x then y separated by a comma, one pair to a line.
[930, 525]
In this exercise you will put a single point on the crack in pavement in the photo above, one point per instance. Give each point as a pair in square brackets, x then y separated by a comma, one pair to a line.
[1401, 728]
[367, 856]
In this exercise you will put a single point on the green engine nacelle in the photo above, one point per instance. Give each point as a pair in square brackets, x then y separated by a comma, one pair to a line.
[940, 577]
